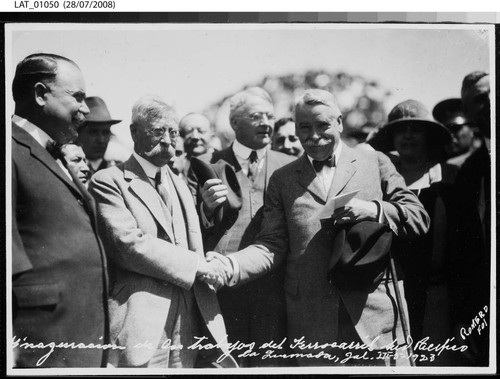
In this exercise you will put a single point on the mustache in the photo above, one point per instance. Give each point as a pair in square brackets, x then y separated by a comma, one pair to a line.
[79, 120]
[317, 143]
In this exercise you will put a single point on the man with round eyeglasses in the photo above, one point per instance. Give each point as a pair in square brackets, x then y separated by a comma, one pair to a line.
[253, 313]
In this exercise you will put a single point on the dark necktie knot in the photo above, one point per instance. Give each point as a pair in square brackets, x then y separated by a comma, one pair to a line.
[318, 165]
[253, 157]
[158, 178]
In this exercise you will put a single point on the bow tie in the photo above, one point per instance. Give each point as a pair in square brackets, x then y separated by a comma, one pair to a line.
[318, 165]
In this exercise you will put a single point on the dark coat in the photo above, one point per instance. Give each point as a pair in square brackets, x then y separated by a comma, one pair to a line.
[59, 280]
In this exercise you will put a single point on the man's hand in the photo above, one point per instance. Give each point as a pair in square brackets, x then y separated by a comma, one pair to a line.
[223, 264]
[209, 273]
[213, 193]
[356, 210]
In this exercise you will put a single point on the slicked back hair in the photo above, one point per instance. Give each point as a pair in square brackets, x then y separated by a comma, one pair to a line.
[40, 67]
[313, 97]
[239, 99]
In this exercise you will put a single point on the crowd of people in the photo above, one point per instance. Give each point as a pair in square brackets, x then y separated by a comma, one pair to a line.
[188, 254]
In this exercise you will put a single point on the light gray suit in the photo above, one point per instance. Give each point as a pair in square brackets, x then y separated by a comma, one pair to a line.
[289, 231]
[149, 268]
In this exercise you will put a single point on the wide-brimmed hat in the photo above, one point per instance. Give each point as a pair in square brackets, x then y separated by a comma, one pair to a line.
[99, 113]
[410, 111]
[450, 113]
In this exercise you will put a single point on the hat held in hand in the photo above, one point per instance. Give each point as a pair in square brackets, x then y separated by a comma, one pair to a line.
[360, 254]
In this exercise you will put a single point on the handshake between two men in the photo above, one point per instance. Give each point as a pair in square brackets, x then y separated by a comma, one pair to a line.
[217, 271]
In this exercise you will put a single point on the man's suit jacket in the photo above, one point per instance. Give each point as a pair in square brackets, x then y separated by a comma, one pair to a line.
[217, 238]
[294, 196]
[59, 277]
[146, 266]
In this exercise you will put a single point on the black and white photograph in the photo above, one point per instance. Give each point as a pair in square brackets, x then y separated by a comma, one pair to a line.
[264, 198]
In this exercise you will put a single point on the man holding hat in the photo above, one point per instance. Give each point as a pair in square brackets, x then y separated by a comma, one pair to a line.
[449, 112]
[321, 310]
[95, 133]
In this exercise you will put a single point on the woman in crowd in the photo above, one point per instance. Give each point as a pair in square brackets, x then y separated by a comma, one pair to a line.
[415, 143]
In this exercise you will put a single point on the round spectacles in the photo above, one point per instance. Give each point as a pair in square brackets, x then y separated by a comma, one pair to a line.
[159, 133]
[259, 116]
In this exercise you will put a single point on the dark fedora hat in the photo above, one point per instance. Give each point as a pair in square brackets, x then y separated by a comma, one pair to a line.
[450, 113]
[404, 113]
[99, 113]
[360, 254]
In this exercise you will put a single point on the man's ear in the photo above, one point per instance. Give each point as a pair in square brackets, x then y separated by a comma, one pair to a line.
[133, 131]
[233, 121]
[40, 93]
[341, 126]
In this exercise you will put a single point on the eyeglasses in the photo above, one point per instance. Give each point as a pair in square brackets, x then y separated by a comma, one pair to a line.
[259, 116]
[160, 132]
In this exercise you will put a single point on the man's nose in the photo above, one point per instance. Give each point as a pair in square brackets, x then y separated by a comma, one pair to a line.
[195, 134]
[287, 144]
[84, 108]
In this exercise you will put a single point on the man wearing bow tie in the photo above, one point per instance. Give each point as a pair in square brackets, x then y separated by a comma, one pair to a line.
[318, 311]
[59, 280]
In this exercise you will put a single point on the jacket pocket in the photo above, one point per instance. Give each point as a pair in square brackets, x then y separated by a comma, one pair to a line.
[36, 295]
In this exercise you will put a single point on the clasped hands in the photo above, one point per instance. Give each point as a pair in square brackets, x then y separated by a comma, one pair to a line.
[216, 271]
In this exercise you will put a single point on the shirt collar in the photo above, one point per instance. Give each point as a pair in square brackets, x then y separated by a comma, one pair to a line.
[34, 131]
[336, 154]
[149, 168]
[243, 151]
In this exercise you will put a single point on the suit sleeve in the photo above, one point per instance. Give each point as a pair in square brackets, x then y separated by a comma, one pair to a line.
[20, 260]
[271, 244]
[129, 247]
[402, 210]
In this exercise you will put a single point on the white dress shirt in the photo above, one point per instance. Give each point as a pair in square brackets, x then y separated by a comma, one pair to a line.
[326, 173]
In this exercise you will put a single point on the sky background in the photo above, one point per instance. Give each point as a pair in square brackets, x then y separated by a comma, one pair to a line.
[193, 66]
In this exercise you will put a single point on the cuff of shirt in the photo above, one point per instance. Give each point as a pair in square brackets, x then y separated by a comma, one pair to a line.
[236, 272]
[380, 212]
[206, 223]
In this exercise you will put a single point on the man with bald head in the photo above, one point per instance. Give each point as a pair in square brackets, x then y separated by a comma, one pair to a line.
[253, 313]
[59, 280]
[321, 311]
[194, 129]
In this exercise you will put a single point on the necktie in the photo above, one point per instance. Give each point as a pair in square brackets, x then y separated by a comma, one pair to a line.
[318, 165]
[163, 191]
[252, 164]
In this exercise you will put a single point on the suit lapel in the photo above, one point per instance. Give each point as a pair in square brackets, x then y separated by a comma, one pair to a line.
[228, 156]
[344, 171]
[141, 186]
[189, 213]
[309, 180]
[42, 155]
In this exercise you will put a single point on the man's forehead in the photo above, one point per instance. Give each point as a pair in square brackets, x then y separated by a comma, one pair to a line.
[316, 111]
[256, 104]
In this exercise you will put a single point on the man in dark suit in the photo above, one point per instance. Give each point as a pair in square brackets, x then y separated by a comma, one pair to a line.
[95, 133]
[318, 311]
[253, 313]
[471, 262]
[152, 236]
[59, 280]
